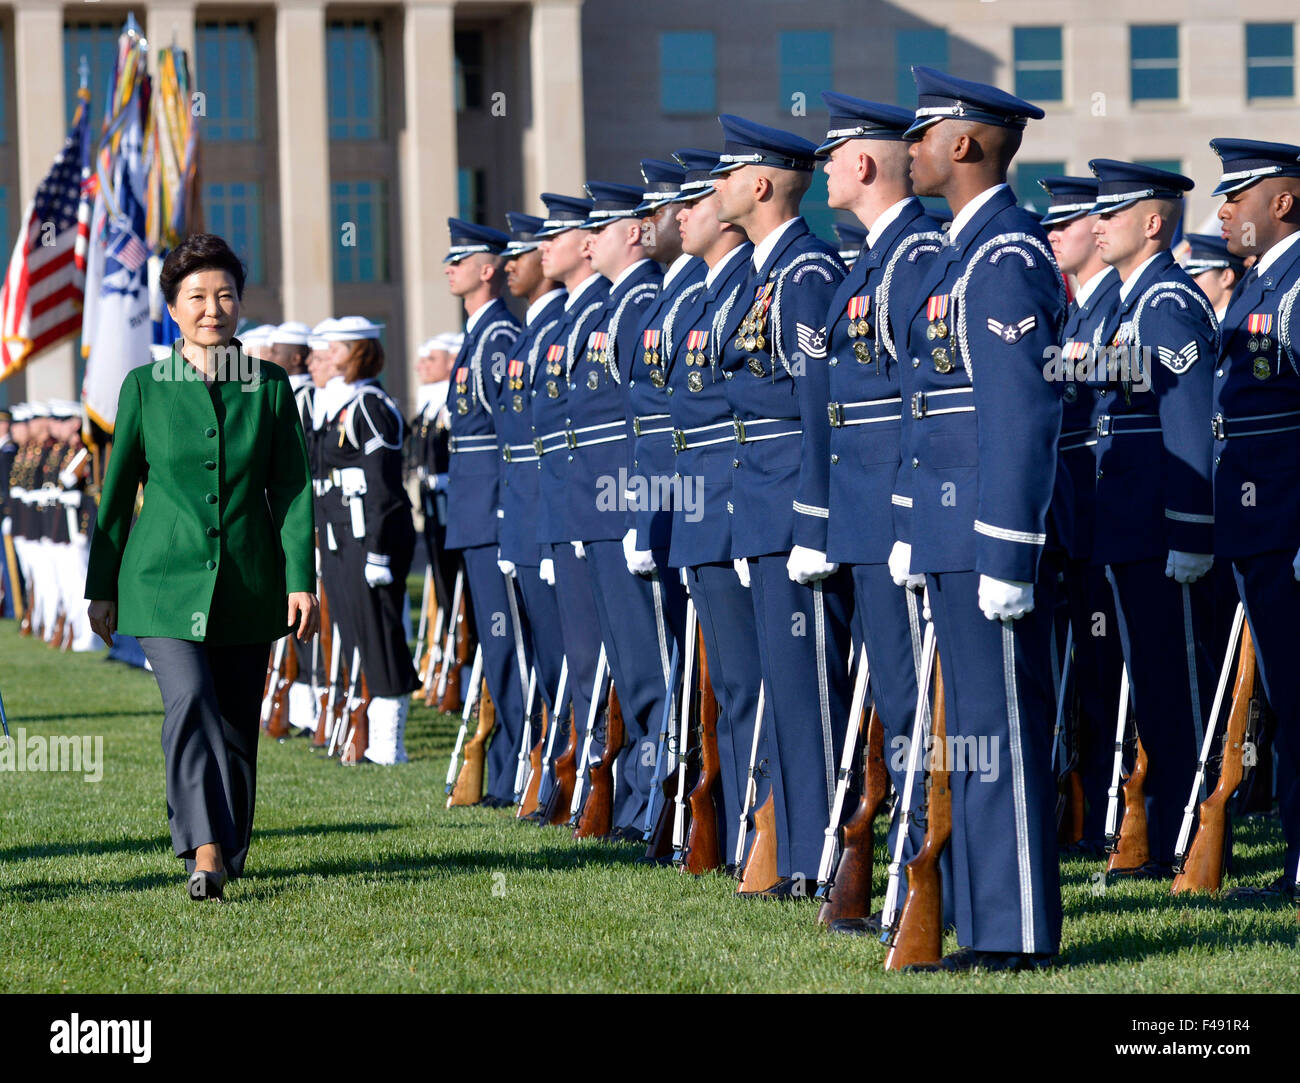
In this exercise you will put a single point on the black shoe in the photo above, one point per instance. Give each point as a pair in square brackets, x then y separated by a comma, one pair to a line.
[869, 926]
[1279, 889]
[203, 885]
[625, 834]
[1152, 870]
[646, 859]
[490, 801]
[534, 817]
[1090, 848]
[964, 959]
[785, 888]
[732, 871]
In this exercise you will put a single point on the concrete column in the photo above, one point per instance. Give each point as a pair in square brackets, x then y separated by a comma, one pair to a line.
[171, 22]
[427, 155]
[554, 155]
[306, 237]
[40, 126]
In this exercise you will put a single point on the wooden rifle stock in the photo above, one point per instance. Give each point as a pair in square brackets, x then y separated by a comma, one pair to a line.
[918, 933]
[277, 725]
[358, 738]
[1203, 867]
[451, 697]
[1069, 783]
[320, 737]
[850, 892]
[469, 783]
[598, 811]
[1132, 848]
[566, 776]
[26, 625]
[760, 869]
[528, 803]
[703, 846]
[56, 636]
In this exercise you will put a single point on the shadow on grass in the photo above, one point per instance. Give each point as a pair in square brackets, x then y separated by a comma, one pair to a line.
[77, 716]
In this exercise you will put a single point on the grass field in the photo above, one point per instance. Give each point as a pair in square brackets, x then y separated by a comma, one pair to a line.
[359, 880]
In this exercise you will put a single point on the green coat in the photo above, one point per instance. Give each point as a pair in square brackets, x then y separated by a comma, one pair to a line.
[225, 529]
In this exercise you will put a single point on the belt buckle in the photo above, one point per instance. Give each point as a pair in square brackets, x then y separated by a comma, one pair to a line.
[679, 440]
[570, 439]
[1103, 425]
[538, 446]
[636, 426]
[738, 427]
[1217, 427]
[835, 411]
[505, 453]
[918, 405]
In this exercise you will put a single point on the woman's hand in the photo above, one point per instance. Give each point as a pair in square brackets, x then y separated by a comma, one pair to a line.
[304, 611]
[103, 620]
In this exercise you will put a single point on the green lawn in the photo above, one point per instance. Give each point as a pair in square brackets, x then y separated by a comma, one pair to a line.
[359, 879]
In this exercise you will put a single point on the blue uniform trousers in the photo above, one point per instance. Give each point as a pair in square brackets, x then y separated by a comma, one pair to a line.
[639, 616]
[804, 641]
[1271, 596]
[726, 615]
[501, 653]
[1000, 711]
[1164, 628]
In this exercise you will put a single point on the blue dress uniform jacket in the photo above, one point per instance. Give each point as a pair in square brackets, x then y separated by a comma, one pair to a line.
[595, 508]
[852, 452]
[517, 525]
[703, 434]
[776, 377]
[650, 437]
[1156, 416]
[981, 462]
[477, 379]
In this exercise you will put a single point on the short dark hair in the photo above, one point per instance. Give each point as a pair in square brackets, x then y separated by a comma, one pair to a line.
[199, 252]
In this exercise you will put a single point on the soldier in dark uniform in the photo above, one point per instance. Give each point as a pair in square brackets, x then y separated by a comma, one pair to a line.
[1214, 268]
[9, 583]
[430, 458]
[362, 449]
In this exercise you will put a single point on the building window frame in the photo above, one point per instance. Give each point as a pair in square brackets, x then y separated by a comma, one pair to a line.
[1260, 62]
[701, 95]
[1144, 63]
[1032, 68]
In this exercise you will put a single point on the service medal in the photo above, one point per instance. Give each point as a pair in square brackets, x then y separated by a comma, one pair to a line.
[1071, 393]
[1265, 343]
[647, 356]
[462, 407]
[695, 381]
[853, 329]
[756, 366]
[942, 362]
[751, 343]
[760, 341]
[1253, 344]
[1261, 369]
[740, 342]
[593, 381]
[864, 328]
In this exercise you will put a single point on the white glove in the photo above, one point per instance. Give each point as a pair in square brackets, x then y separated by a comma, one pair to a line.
[900, 564]
[7, 527]
[70, 498]
[742, 571]
[1005, 599]
[68, 479]
[1295, 564]
[378, 574]
[546, 572]
[436, 481]
[808, 565]
[579, 550]
[507, 566]
[1188, 567]
[639, 561]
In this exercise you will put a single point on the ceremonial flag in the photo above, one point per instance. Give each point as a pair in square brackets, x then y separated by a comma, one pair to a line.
[41, 299]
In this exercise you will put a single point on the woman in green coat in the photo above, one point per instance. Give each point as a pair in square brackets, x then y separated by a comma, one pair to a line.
[220, 562]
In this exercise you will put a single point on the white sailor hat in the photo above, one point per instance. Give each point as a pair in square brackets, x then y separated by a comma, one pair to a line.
[451, 341]
[20, 411]
[39, 408]
[63, 409]
[316, 339]
[351, 329]
[256, 335]
[292, 333]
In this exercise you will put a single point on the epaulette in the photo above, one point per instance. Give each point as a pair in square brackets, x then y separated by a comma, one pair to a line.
[1285, 310]
[576, 334]
[995, 249]
[910, 247]
[637, 293]
[694, 289]
[534, 351]
[491, 331]
[376, 439]
[805, 263]
[1177, 361]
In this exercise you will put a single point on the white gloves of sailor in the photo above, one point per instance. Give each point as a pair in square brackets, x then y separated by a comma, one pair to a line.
[507, 566]
[436, 481]
[579, 550]
[900, 563]
[7, 527]
[546, 571]
[1005, 599]
[378, 574]
[808, 565]
[639, 561]
[1188, 567]
[742, 571]
[68, 479]
[70, 498]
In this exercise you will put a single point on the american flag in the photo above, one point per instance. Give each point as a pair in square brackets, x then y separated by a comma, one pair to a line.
[40, 302]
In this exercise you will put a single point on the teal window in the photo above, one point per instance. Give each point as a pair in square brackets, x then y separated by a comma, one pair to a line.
[361, 228]
[816, 210]
[1028, 191]
[805, 67]
[227, 60]
[97, 42]
[355, 79]
[471, 185]
[1039, 69]
[687, 72]
[4, 88]
[1153, 63]
[1270, 60]
[926, 47]
[234, 211]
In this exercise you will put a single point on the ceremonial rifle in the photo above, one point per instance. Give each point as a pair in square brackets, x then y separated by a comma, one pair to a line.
[339, 728]
[1201, 867]
[278, 725]
[533, 781]
[526, 742]
[469, 786]
[598, 811]
[683, 739]
[475, 674]
[358, 739]
[918, 935]
[424, 621]
[751, 787]
[321, 736]
[852, 729]
[449, 647]
[665, 775]
[274, 658]
[540, 759]
[1127, 844]
[597, 694]
[566, 772]
[703, 845]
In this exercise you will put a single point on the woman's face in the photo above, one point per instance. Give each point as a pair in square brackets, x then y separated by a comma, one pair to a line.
[336, 356]
[206, 308]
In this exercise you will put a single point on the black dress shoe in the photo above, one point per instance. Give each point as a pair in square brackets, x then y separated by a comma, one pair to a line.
[646, 859]
[626, 834]
[494, 802]
[965, 959]
[203, 885]
[1279, 889]
[785, 888]
[869, 926]
[1091, 848]
[1152, 870]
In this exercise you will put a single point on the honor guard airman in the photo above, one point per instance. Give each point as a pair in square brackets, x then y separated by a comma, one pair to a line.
[1214, 268]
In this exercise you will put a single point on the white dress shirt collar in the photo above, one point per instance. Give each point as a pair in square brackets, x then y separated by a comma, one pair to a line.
[764, 248]
[535, 309]
[582, 287]
[969, 211]
[886, 219]
[719, 268]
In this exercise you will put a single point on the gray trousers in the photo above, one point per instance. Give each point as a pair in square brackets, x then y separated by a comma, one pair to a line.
[212, 698]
